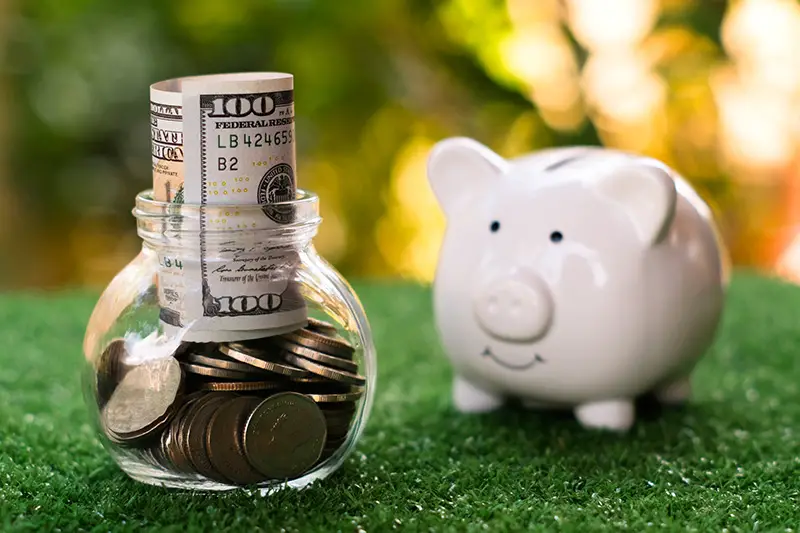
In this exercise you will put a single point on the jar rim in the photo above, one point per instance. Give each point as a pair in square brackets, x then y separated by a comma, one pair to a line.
[304, 209]
[148, 204]
[292, 220]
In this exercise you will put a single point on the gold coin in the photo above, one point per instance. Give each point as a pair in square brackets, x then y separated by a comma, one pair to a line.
[331, 373]
[240, 385]
[247, 356]
[208, 361]
[319, 357]
[321, 343]
[215, 372]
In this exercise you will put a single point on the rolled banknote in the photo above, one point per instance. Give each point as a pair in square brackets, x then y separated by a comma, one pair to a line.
[166, 135]
[225, 140]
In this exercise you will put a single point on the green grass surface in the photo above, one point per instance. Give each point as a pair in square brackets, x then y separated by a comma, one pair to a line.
[731, 459]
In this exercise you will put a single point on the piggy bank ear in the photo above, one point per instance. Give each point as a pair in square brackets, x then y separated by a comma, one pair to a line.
[460, 168]
[646, 194]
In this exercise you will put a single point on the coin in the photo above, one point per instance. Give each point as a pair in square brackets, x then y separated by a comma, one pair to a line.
[339, 423]
[112, 356]
[338, 410]
[181, 424]
[143, 401]
[158, 457]
[179, 429]
[327, 453]
[163, 458]
[108, 370]
[327, 387]
[185, 348]
[248, 356]
[147, 455]
[338, 426]
[335, 398]
[339, 429]
[335, 442]
[164, 445]
[214, 362]
[225, 441]
[319, 357]
[180, 450]
[172, 442]
[284, 435]
[194, 431]
[324, 371]
[240, 385]
[321, 343]
[331, 447]
[311, 380]
[160, 460]
[321, 326]
[214, 372]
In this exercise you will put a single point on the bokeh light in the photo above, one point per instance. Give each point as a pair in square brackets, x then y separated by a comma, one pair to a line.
[711, 87]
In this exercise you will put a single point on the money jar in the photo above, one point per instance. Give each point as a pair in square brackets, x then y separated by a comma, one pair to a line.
[224, 359]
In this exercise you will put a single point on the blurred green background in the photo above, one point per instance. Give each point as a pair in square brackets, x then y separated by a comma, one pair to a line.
[710, 87]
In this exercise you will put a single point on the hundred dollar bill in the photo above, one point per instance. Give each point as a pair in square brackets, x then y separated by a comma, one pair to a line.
[166, 135]
[237, 142]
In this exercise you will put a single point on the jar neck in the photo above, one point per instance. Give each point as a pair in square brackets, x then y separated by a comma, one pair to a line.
[197, 227]
[169, 238]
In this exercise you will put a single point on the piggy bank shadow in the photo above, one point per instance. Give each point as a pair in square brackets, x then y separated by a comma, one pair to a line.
[661, 430]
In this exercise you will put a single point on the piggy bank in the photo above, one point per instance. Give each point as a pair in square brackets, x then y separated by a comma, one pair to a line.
[576, 278]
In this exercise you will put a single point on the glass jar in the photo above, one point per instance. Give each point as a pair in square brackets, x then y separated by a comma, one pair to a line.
[184, 401]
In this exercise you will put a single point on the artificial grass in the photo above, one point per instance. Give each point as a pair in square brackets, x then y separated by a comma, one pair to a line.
[728, 461]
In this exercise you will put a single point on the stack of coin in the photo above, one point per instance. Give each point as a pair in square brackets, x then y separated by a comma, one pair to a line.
[143, 403]
[238, 413]
[110, 370]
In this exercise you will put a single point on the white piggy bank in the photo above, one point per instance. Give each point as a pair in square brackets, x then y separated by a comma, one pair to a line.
[576, 277]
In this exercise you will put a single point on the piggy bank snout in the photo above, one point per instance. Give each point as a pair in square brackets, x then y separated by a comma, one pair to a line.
[514, 309]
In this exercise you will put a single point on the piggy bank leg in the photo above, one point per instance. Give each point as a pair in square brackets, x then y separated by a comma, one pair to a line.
[615, 415]
[675, 392]
[471, 399]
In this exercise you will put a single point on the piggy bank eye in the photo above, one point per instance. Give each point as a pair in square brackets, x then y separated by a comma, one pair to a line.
[556, 236]
[494, 226]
